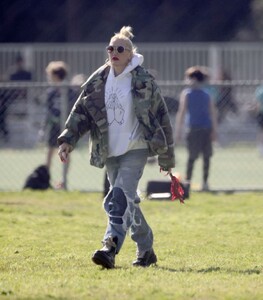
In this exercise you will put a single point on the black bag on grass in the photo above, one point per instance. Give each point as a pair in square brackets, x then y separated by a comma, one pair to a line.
[158, 190]
[39, 179]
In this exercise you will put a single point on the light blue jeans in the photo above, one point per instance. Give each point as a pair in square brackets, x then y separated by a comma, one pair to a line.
[122, 202]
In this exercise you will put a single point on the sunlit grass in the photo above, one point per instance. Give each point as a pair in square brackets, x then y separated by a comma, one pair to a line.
[209, 248]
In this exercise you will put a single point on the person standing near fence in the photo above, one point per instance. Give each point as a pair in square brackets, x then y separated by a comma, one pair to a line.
[3, 113]
[16, 97]
[123, 109]
[19, 72]
[57, 72]
[259, 117]
[225, 101]
[202, 124]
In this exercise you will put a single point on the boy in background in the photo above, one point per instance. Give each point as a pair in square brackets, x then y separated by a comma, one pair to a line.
[202, 124]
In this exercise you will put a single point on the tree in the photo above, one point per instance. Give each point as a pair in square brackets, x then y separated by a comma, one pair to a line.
[257, 21]
[152, 20]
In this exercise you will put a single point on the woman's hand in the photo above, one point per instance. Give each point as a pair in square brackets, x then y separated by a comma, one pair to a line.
[63, 152]
[168, 171]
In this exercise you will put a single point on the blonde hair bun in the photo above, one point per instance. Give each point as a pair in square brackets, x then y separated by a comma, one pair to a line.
[127, 32]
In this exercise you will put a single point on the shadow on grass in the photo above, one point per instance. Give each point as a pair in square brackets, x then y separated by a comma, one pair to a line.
[210, 270]
[190, 270]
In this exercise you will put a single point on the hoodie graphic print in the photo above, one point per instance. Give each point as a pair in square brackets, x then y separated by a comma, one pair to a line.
[124, 131]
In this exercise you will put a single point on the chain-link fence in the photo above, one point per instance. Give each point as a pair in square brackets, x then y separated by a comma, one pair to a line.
[236, 163]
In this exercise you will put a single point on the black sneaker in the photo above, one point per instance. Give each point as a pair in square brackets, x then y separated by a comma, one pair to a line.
[146, 260]
[106, 256]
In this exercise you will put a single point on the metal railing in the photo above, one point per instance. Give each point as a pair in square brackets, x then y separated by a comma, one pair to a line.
[242, 61]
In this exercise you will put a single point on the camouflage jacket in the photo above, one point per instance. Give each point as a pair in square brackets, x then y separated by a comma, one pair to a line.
[89, 115]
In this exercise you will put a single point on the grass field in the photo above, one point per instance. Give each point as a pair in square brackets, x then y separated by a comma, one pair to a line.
[209, 248]
[231, 168]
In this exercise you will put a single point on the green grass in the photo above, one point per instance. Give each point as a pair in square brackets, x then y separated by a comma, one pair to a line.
[209, 248]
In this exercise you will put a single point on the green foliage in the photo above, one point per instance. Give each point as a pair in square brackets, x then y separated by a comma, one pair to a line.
[209, 248]
[95, 21]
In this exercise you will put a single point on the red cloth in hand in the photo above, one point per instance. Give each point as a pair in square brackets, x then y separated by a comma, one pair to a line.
[177, 191]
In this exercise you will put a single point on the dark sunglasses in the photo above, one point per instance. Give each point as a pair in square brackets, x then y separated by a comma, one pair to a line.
[120, 49]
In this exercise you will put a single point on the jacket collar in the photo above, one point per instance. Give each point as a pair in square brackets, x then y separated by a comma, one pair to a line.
[95, 92]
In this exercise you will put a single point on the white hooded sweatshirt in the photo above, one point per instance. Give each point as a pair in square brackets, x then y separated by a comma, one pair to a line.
[125, 132]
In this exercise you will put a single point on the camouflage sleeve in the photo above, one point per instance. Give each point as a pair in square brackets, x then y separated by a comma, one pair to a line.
[167, 159]
[77, 124]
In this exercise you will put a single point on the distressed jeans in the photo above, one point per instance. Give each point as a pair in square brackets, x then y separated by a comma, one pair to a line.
[122, 202]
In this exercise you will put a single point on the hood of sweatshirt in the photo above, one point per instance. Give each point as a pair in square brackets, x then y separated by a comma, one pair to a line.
[136, 61]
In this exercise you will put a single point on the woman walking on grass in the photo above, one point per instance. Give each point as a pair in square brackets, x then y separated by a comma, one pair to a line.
[122, 108]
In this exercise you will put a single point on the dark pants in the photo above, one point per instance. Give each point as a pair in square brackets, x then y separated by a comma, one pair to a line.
[199, 142]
